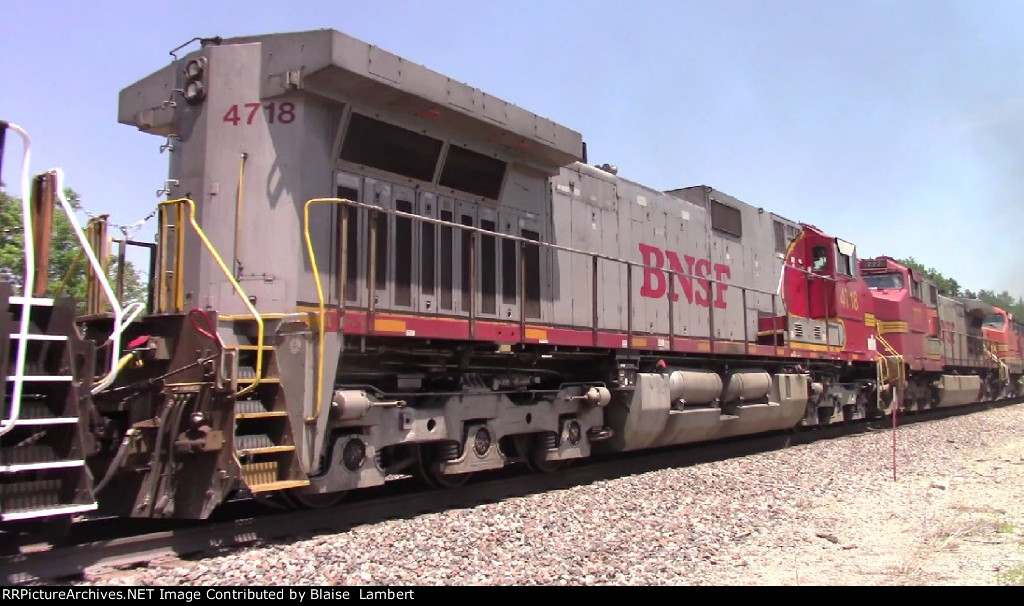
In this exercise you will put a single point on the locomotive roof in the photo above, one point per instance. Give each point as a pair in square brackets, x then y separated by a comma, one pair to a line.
[332, 61]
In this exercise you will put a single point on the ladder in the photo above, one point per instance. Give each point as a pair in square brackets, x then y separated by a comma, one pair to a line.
[42, 449]
[46, 369]
[891, 369]
[1004, 371]
[264, 444]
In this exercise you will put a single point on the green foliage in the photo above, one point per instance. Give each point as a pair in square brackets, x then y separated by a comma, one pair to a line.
[1004, 300]
[66, 272]
[1014, 576]
[951, 288]
[946, 286]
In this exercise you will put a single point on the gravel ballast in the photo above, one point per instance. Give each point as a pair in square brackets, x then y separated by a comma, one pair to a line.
[826, 513]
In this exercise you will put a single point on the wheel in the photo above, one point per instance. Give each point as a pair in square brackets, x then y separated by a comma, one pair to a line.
[526, 448]
[57, 529]
[538, 465]
[309, 500]
[427, 472]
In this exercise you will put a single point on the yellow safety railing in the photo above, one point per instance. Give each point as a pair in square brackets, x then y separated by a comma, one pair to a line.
[96, 277]
[1004, 372]
[887, 346]
[179, 206]
[883, 365]
[321, 308]
[95, 231]
[71, 270]
[239, 197]
[177, 288]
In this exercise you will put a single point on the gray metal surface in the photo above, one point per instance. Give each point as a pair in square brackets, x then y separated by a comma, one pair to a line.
[647, 417]
[957, 390]
[337, 66]
[285, 103]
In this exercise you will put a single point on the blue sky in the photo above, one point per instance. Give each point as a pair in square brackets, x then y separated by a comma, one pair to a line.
[897, 125]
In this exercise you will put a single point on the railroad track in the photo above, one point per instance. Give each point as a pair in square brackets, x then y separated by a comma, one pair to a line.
[97, 545]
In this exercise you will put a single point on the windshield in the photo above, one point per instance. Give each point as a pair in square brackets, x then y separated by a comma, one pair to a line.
[995, 321]
[880, 281]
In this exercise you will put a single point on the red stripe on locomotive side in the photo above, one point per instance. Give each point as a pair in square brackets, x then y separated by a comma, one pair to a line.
[356, 322]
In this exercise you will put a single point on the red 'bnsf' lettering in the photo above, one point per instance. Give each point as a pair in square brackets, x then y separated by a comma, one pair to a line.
[655, 285]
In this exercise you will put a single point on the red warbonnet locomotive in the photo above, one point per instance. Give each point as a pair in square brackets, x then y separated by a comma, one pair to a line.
[366, 268]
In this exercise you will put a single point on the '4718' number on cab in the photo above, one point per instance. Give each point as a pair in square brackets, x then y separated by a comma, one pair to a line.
[245, 113]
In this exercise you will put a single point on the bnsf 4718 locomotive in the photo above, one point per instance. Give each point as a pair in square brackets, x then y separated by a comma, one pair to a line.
[365, 268]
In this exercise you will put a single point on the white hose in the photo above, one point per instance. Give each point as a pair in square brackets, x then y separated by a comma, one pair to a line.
[121, 317]
[27, 288]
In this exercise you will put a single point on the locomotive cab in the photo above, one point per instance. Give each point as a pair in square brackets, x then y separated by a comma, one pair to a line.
[906, 311]
[826, 301]
[819, 273]
[1003, 334]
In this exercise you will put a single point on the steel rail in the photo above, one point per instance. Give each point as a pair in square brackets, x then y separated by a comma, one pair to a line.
[38, 562]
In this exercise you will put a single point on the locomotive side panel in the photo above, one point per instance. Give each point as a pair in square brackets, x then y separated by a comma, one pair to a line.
[687, 226]
[730, 233]
[601, 190]
[744, 247]
[953, 332]
[745, 260]
[763, 270]
[528, 193]
[571, 299]
[423, 268]
[647, 232]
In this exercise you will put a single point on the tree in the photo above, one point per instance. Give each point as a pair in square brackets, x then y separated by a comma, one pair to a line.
[1003, 300]
[946, 286]
[951, 288]
[66, 271]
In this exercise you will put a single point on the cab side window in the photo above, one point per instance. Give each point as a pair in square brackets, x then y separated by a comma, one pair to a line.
[819, 258]
[845, 264]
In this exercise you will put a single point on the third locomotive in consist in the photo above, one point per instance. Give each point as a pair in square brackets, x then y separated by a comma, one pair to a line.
[366, 268]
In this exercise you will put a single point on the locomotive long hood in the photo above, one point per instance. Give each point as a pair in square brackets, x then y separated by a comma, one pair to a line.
[334, 65]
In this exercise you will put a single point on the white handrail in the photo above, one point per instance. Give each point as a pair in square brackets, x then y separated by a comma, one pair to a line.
[121, 318]
[28, 285]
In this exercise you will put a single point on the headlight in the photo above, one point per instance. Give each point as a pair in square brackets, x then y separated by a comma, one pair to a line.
[194, 92]
[194, 69]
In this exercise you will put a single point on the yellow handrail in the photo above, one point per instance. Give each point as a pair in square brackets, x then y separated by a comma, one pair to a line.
[179, 256]
[1004, 372]
[179, 279]
[883, 363]
[319, 298]
[67, 276]
[89, 231]
[890, 348]
[239, 197]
